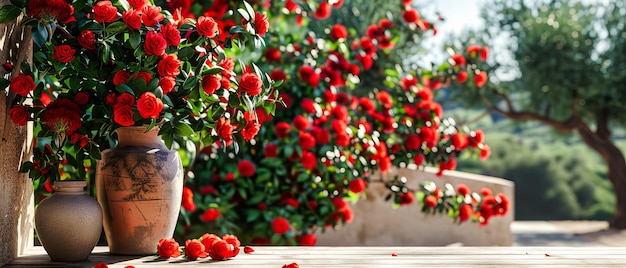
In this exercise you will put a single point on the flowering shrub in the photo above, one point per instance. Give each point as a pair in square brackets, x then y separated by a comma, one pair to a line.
[349, 113]
[98, 66]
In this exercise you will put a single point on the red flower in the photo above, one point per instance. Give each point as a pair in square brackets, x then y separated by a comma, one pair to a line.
[306, 140]
[406, 198]
[64, 53]
[461, 77]
[485, 152]
[120, 77]
[22, 84]
[462, 189]
[207, 190]
[187, 200]
[210, 214]
[261, 23]
[19, 114]
[125, 99]
[194, 249]
[278, 75]
[132, 19]
[458, 59]
[104, 11]
[357, 185]
[123, 115]
[338, 31]
[210, 83]
[154, 44]
[137, 4]
[291, 265]
[149, 106]
[224, 129]
[167, 84]
[430, 201]
[410, 15]
[460, 141]
[273, 56]
[271, 150]
[484, 52]
[282, 129]
[407, 2]
[169, 65]
[251, 84]
[221, 250]
[207, 27]
[480, 79]
[101, 265]
[82, 97]
[413, 142]
[58, 10]
[323, 11]
[7, 66]
[151, 15]
[62, 115]
[485, 191]
[168, 248]
[301, 123]
[472, 50]
[309, 75]
[87, 40]
[280, 225]
[208, 240]
[479, 137]
[308, 105]
[171, 34]
[308, 240]
[465, 211]
[245, 168]
[250, 130]
[309, 161]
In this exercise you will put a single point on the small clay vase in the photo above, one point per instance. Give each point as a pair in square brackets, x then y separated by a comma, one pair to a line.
[69, 222]
[139, 184]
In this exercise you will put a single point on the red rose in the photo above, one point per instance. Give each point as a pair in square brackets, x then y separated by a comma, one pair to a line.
[246, 168]
[104, 11]
[81, 97]
[465, 211]
[110, 98]
[461, 77]
[120, 77]
[484, 52]
[410, 15]
[460, 141]
[338, 31]
[154, 44]
[207, 27]
[309, 75]
[132, 19]
[323, 11]
[458, 59]
[19, 114]
[229, 176]
[278, 75]
[228, 64]
[233, 240]
[309, 161]
[357, 185]
[169, 65]
[50, 9]
[430, 201]
[308, 240]
[7, 66]
[168, 248]
[210, 83]
[194, 250]
[251, 84]
[272, 55]
[224, 129]
[485, 152]
[187, 200]
[301, 123]
[22, 84]
[292, 265]
[167, 84]
[306, 140]
[338, 3]
[123, 115]
[147, 77]
[151, 15]
[250, 130]
[462, 189]
[171, 34]
[473, 50]
[87, 40]
[221, 250]
[79, 139]
[407, 2]
[125, 99]
[208, 240]
[248, 249]
[137, 4]
[261, 23]
[480, 79]
[271, 150]
[280, 225]
[62, 115]
[210, 214]
[207, 190]
[64, 53]
[149, 106]
[282, 129]
[308, 105]
[406, 198]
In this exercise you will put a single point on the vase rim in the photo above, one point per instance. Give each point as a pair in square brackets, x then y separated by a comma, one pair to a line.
[70, 184]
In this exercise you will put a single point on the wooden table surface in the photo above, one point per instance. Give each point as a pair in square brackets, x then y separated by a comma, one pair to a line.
[276, 257]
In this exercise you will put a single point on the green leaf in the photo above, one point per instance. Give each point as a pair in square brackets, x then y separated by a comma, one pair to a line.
[183, 129]
[253, 215]
[134, 38]
[4, 83]
[19, 3]
[121, 88]
[115, 27]
[9, 13]
[234, 101]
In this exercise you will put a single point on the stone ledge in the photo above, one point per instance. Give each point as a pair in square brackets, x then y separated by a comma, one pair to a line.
[376, 223]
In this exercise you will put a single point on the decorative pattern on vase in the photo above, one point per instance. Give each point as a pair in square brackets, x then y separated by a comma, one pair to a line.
[139, 188]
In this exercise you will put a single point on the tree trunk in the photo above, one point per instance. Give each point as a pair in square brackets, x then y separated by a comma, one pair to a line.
[16, 189]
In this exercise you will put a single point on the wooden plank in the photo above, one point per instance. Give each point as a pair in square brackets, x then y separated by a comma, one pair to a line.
[265, 256]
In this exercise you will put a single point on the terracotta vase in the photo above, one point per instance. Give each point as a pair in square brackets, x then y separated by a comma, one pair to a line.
[139, 184]
[69, 222]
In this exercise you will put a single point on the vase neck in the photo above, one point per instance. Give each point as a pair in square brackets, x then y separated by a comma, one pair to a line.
[70, 186]
[137, 136]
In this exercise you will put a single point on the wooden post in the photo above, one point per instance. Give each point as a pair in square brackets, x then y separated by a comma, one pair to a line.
[16, 189]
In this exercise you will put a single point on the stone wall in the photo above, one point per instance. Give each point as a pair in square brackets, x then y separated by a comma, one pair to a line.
[377, 223]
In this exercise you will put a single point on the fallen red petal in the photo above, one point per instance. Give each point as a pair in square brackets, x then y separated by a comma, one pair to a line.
[547, 255]
[248, 249]
[394, 254]
[291, 265]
